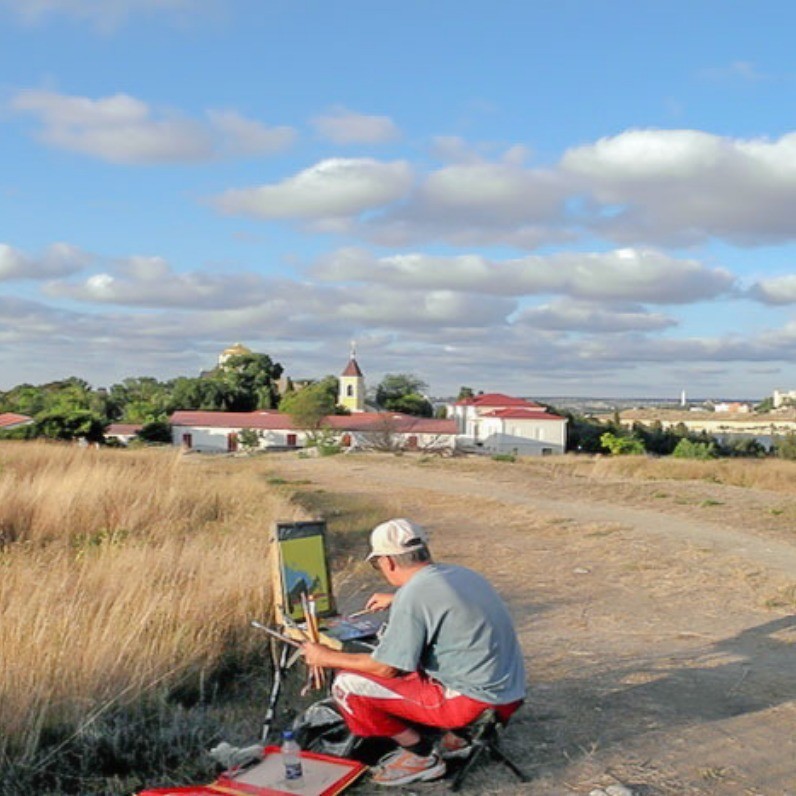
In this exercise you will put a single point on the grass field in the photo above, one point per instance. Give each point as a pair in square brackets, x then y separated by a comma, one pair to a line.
[129, 579]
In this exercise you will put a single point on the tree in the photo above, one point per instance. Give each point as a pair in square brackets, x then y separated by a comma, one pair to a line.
[403, 392]
[765, 406]
[785, 446]
[158, 431]
[583, 433]
[309, 406]
[743, 447]
[465, 393]
[70, 424]
[622, 446]
[140, 400]
[249, 439]
[250, 380]
[688, 449]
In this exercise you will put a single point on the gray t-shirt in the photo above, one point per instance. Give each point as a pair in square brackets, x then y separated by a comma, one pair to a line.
[449, 622]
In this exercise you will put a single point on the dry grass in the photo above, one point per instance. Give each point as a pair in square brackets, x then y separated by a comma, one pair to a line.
[775, 475]
[121, 573]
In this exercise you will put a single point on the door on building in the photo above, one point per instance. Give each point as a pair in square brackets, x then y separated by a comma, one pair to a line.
[187, 441]
[292, 440]
[232, 442]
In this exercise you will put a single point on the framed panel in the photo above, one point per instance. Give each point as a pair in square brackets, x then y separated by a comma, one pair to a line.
[303, 567]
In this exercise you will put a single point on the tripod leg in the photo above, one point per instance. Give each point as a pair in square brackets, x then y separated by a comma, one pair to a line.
[499, 754]
[279, 670]
[468, 764]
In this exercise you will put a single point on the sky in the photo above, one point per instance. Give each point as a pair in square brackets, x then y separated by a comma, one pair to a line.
[572, 198]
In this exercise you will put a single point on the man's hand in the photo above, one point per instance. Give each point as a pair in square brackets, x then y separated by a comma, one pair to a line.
[315, 654]
[379, 601]
[321, 655]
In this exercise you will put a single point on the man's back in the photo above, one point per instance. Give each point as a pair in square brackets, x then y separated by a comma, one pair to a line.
[450, 622]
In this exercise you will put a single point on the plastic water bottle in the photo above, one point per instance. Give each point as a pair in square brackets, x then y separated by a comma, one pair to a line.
[291, 757]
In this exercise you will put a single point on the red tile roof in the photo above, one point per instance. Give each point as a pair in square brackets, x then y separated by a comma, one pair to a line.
[523, 413]
[123, 429]
[495, 399]
[11, 419]
[352, 369]
[262, 419]
[391, 421]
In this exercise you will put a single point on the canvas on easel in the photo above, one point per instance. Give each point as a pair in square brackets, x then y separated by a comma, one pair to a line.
[302, 568]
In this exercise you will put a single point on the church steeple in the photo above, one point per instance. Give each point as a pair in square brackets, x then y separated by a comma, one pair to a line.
[352, 385]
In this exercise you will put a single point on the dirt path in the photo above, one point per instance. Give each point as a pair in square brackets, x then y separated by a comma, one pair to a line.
[660, 643]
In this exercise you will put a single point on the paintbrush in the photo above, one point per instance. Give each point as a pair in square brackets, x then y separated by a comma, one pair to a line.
[277, 634]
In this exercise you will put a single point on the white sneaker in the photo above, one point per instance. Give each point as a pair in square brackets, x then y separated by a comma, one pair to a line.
[453, 747]
[402, 766]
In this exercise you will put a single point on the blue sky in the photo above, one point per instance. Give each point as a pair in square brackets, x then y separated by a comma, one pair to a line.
[539, 198]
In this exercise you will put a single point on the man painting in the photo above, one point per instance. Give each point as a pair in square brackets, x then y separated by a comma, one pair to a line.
[448, 653]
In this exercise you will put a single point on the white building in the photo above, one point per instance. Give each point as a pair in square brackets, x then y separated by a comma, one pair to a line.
[783, 398]
[124, 433]
[219, 432]
[497, 423]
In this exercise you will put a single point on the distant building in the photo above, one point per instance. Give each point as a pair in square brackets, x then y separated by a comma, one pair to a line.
[781, 399]
[9, 420]
[219, 432]
[236, 350]
[123, 432]
[498, 423]
[734, 407]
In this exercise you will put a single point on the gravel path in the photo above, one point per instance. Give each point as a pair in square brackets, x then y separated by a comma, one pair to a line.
[658, 621]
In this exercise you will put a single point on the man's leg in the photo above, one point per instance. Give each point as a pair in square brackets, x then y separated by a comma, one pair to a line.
[378, 706]
[387, 706]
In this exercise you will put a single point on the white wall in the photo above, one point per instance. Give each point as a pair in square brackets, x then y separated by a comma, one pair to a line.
[214, 440]
[526, 437]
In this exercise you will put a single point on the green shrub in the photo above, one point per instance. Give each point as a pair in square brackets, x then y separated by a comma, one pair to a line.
[504, 457]
[688, 449]
[621, 445]
[785, 447]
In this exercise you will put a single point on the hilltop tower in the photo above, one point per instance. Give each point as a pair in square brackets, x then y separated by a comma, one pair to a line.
[233, 351]
[352, 385]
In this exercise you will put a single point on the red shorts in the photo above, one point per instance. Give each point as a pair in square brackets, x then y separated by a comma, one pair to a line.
[385, 706]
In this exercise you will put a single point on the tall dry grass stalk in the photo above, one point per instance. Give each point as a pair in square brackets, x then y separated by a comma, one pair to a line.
[120, 572]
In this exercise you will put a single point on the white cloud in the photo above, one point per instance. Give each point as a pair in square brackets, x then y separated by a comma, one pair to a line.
[474, 202]
[410, 310]
[685, 186]
[106, 15]
[576, 316]
[248, 137]
[150, 282]
[335, 188]
[58, 260]
[622, 275]
[342, 126]
[123, 129]
[778, 290]
[119, 129]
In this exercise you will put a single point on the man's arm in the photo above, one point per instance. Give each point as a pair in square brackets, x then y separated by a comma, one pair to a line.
[321, 655]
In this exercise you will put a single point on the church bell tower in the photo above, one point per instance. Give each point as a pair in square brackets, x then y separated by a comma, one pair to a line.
[352, 385]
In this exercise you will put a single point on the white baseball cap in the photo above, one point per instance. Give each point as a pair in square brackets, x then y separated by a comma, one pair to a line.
[395, 537]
